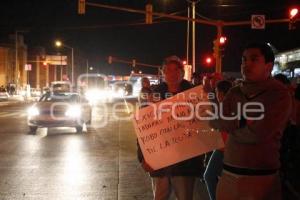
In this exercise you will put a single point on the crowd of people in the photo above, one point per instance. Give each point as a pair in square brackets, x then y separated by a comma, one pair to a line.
[261, 157]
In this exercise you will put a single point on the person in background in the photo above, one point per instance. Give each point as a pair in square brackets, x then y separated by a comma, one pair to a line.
[196, 79]
[145, 93]
[215, 77]
[215, 164]
[251, 157]
[206, 84]
[297, 96]
[289, 151]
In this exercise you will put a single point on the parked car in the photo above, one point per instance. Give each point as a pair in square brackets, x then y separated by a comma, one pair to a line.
[34, 92]
[3, 96]
[59, 110]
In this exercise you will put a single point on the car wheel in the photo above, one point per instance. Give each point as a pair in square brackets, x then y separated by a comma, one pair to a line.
[33, 129]
[79, 129]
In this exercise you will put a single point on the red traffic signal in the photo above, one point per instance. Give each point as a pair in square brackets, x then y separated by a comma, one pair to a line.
[208, 60]
[293, 12]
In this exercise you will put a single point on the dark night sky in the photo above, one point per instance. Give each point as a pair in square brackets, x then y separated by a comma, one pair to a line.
[101, 32]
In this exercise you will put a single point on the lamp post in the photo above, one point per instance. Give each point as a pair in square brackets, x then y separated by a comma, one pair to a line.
[193, 3]
[59, 44]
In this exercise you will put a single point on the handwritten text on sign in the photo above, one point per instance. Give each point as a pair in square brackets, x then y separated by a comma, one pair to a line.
[172, 130]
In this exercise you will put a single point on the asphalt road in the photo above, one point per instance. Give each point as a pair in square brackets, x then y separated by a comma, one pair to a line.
[59, 163]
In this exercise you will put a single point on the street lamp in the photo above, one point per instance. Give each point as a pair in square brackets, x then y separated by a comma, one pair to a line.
[60, 44]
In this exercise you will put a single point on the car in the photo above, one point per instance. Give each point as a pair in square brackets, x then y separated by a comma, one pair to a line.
[59, 110]
[3, 95]
[61, 86]
[34, 92]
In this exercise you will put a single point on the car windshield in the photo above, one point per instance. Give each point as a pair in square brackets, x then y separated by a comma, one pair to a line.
[61, 97]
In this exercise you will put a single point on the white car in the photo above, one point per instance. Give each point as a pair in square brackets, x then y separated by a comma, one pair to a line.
[4, 96]
[59, 110]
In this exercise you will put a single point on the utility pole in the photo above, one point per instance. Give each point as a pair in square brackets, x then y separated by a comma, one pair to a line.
[219, 55]
[16, 61]
[194, 36]
[87, 72]
[188, 37]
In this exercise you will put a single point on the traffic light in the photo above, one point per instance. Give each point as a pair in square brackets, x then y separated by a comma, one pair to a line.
[293, 12]
[149, 9]
[81, 7]
[109, 60]
[208, 60]
[222, 40]
[133, 63]
[45, 64]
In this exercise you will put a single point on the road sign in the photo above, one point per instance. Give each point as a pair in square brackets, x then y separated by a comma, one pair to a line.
[258, 22]
[27, 67]
[56, 60]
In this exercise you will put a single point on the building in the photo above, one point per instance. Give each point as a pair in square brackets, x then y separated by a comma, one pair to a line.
[288, 63]
[13, 57]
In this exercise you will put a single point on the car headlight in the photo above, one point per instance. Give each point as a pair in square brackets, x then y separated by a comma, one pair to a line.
[33, 111]
[73, 111]
[94, 95]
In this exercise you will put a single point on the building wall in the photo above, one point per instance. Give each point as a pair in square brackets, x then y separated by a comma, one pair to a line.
[3, 65]
[6, 66]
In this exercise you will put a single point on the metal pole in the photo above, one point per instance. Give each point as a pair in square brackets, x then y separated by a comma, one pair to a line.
[194, 36]
[55, 73]
[16, 69]
[47, 76]
[72, 66]
[61, 67]
[188, 38]
[219, 54]
[87, 72]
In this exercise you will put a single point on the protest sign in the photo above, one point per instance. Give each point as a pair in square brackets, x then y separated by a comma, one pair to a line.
[176, 129]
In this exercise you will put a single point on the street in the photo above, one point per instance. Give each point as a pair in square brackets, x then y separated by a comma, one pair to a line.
[59, 163]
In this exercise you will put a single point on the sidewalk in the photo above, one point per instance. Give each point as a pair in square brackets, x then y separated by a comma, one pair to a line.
[14, 99]
[134, 183]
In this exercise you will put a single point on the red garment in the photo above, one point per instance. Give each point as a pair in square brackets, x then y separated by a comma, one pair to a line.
[224, 137]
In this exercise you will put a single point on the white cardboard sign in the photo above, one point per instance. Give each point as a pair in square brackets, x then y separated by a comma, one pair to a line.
[173, 130]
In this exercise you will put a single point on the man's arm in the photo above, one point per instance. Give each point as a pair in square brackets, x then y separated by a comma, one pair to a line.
[276, 116]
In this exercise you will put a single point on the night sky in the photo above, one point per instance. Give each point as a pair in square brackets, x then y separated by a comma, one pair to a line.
[102, 32]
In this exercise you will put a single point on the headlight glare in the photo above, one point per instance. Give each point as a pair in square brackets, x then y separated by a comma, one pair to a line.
[73, 111]
[33, 111]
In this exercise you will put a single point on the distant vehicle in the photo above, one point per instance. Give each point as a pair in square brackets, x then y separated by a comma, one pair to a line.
[95, 88]
[34, 92]
[119, 88]
[60, 86]
[3, 95]
[45, 90]
[59, 110]
[135, 80]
